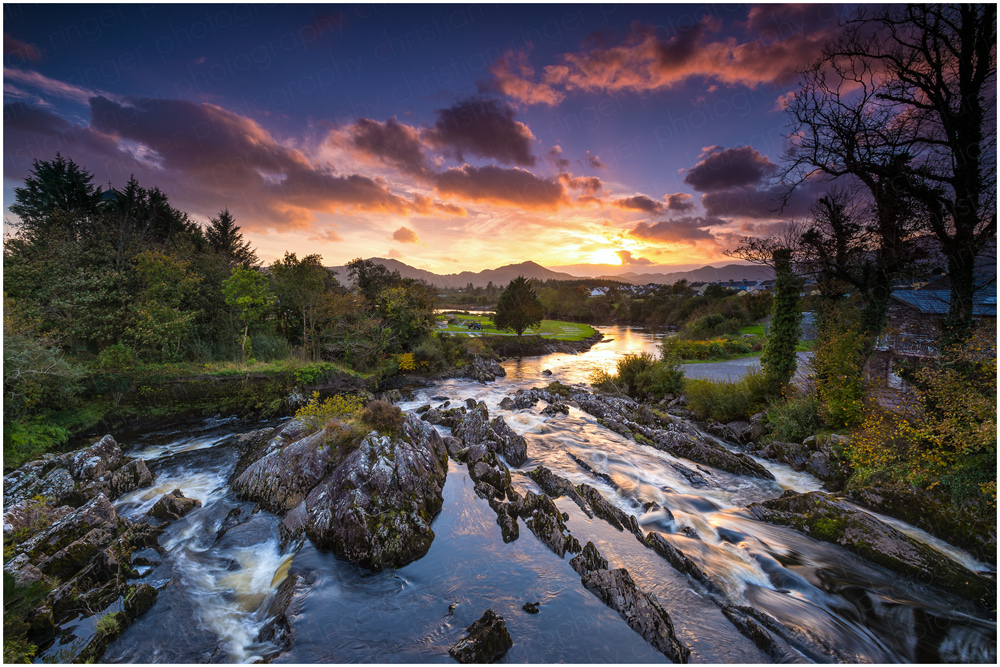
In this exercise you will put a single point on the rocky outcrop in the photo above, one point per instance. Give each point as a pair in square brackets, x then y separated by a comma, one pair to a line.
[88, 549]
[484, 370]
[555, 486]
[496, 435]
[669, 433]
[74, 478]
[280, 479]
[172, 506]
[544, 519]
[825, 518]
[641, 611]
[485, 641]
[935, 514]
[375, 508]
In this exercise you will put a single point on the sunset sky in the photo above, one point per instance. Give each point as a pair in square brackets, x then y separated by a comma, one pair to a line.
[450, 137]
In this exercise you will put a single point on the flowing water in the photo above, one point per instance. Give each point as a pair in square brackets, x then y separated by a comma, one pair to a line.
[221, 568]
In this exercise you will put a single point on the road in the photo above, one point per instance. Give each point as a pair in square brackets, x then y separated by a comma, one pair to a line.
[735, 368]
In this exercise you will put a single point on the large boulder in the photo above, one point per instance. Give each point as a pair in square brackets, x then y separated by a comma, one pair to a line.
[476, 428]
[824, 518]
[484, 370]
[485, 641]
[375, 508]
[76, 477]
[172, 506]
[641, 611]
[281, 478]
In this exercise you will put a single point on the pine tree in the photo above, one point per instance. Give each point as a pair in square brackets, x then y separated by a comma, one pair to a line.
[224, 237]
[519, 307]
[57, 193]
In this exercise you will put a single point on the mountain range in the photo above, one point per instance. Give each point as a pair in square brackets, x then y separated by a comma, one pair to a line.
[504, 274]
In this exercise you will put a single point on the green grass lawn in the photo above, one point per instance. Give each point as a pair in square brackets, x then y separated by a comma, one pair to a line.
[548, 329]
[755, 329]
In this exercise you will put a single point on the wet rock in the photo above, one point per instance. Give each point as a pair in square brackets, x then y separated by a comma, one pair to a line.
[741, 430]
[617, 590]
[129, 477]
[609, 512]
[375, 509]
[139, 600]
[666, 432]
[277, 630]
[544, 519]
[546, 372]
[422, 409]
[791, 453]
[496, 435]
[485, 466]
[283, 477]
[454, 446]
[934, 513]
[679, 560]
[530, 607]
[554, 486]
[749, 626]
[606, 478]
[26, 517]
[758, 427]
[507, 520]
[97, 515]
[507, 403]
[824, 518]
[484, 370]
[258, 447]
[172, 506]
[524, 399]
[554, 409]
[486, 640]
[76, 477]
[441, 417]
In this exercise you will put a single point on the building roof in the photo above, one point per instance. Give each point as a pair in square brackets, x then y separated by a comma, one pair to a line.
[935, 302]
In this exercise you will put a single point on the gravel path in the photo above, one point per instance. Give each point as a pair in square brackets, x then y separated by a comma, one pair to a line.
[735, 368]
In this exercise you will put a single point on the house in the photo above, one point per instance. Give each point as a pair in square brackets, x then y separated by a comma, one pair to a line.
[915, 316]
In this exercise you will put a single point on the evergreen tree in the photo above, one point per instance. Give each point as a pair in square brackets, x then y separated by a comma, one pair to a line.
[778, 358]
[224, 237]
[59, 192]
[518, 307]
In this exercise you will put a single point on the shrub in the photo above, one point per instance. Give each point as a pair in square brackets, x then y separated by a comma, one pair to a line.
[270, 347]
[796, 419]
[640, 374]
[384, 417]
[117, 357]
[315, 414]
[839, 362]
[711, 326]
[343, 437]
[729, 400]
[107, 624]
[558, 388]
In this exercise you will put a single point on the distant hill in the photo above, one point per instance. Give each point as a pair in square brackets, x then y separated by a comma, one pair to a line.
[499, 276]
[704, 274]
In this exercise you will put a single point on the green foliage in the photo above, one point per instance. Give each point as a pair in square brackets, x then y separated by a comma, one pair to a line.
[711, 326]
[945, 437]
[57, 186]
[384, 417]
[778, 359]
[729, 400]
[518, 307]
[18, 601]
[796, 419]
[299, 287]
[839, 364]
[225, 239]
[700, 350]
[107, 624]
[640, 374]
[247, 291]
[558, 388]
[316, 414]
[117, 357]
[160, 322]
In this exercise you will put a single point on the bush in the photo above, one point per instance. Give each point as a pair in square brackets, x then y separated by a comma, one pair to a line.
[728, 400]
[711, 326]
[384, 417]
[640, 374]
[117, 357]
[839, 362]
[796, 419]
[720, 348]
[315, 415]
[270, 347]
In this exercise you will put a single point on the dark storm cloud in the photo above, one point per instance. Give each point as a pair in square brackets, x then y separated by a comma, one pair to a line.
[640, 203]
[390, 142]
[681, 230]
[679, 201]
[501, 185]
[730, 168]
[485, 128]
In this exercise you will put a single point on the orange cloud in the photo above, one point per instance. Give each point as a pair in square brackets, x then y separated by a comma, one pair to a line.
[405, 235]
[518, 187]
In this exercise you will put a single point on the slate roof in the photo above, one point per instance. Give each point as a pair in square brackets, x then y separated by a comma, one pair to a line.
[935, 302]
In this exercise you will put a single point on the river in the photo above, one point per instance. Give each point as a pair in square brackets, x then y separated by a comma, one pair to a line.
[216, 583]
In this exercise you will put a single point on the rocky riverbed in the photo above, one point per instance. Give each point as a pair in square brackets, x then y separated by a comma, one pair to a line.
[509, 519]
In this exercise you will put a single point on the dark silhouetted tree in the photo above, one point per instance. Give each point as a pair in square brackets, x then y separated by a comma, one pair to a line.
[519, 307]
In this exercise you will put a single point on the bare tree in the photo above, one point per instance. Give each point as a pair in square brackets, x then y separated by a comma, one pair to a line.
[905, 102]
